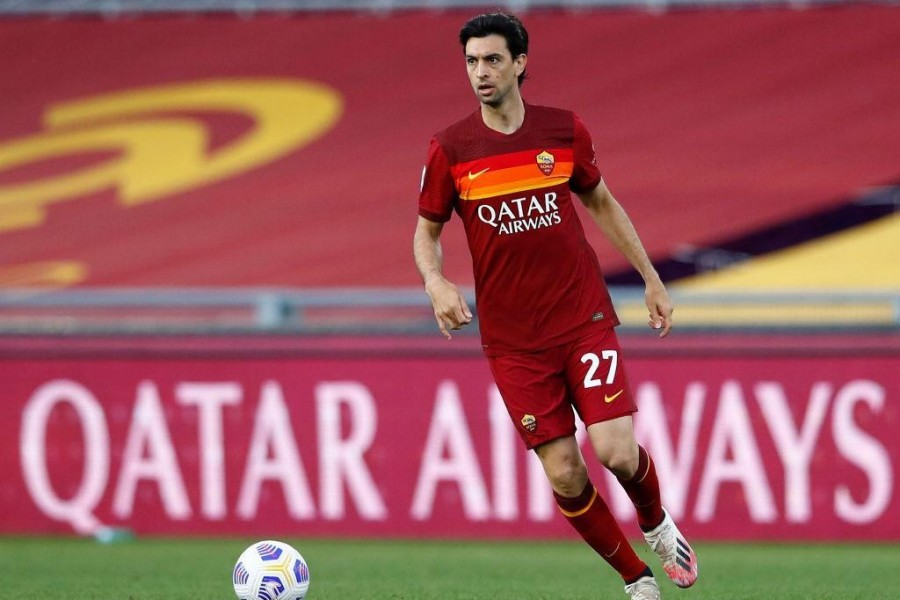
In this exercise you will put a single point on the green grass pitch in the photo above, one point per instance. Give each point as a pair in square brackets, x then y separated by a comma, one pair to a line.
[191, 569]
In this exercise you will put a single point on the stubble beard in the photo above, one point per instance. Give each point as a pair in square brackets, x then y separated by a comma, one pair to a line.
[494, 102]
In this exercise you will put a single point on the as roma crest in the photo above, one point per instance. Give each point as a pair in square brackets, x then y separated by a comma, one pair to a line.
[545, 162]
[529, 423]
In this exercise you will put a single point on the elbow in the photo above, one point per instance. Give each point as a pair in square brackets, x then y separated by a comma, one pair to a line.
[598, 206]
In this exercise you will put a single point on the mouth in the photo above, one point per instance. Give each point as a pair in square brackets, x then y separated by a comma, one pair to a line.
[485, 88]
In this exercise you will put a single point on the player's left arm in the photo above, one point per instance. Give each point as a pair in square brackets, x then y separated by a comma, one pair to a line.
[617, 227]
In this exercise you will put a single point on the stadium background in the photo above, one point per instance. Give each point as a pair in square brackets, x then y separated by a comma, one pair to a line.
[210, 317]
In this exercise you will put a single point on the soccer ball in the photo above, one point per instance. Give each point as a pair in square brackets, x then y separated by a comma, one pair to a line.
[270, 570]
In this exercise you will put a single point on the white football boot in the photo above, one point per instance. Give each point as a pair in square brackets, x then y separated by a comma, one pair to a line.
[644, 588]
[677, 556]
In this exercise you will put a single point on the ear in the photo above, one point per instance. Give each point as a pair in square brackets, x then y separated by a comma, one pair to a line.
[521, 61]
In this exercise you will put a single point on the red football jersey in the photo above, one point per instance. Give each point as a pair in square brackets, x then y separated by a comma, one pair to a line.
[538, 282]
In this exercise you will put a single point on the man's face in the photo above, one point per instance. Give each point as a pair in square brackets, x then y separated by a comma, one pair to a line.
[493, 72]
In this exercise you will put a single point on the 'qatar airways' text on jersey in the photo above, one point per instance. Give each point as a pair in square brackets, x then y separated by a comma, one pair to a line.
[521, 214]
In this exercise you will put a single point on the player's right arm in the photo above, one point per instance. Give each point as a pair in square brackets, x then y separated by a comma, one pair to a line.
[450, 308]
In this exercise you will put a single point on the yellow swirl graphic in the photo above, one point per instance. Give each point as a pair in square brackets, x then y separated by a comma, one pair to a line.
[44, 274]
[160, 154]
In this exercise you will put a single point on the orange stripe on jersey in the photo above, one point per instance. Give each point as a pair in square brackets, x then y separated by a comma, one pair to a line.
[512, 159]
[489, 182]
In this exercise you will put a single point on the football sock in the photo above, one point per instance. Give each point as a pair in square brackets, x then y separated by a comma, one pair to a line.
[643, 489]
[590, 517]
[645, 573]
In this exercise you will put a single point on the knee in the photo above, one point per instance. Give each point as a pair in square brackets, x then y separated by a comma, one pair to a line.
[622, 460]
[615, 446]
[569, 478]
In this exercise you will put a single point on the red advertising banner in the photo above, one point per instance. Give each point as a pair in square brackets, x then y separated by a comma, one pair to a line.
[796, 447]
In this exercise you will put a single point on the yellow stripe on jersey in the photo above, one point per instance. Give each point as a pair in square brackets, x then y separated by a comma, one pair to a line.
[510, 180]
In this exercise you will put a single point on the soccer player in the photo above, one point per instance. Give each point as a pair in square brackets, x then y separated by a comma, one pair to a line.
[510, 170]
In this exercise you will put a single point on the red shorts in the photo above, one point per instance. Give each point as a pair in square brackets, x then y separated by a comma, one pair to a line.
[541, 388]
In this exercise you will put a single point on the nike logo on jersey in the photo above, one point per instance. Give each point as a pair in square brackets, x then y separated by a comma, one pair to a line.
[609, 399]
[474, 176]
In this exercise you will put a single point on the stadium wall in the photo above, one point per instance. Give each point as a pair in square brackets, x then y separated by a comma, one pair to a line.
[117, 7]
[169, 151]
[755, 437]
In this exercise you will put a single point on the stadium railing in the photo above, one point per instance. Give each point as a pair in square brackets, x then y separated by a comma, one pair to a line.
[114, 7]
[402, 311]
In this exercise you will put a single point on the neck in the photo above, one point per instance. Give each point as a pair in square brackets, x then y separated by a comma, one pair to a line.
[506, 117]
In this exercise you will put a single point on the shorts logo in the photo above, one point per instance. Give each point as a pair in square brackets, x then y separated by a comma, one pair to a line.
[608, 399]
[529, 423]
[545, 162]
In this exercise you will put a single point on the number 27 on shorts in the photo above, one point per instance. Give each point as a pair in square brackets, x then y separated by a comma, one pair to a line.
[611, 357]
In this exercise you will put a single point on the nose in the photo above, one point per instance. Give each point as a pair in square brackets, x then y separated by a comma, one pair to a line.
[481, 70]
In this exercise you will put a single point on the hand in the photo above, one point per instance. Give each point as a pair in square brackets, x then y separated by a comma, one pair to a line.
[450, 308]
[661, 307]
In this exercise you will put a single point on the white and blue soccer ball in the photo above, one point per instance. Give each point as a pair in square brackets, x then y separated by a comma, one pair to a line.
[270, 570]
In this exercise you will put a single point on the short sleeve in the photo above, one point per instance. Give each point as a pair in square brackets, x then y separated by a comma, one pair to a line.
[585, 174]
[438, 192]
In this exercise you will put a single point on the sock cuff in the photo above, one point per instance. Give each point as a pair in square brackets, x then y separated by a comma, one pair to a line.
[644, 463]
[633, 579]
[580, 504]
